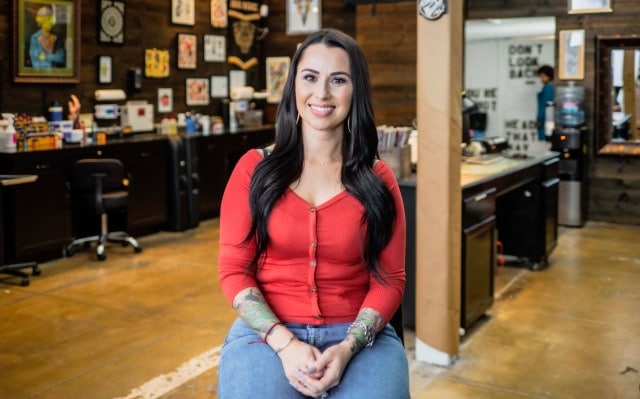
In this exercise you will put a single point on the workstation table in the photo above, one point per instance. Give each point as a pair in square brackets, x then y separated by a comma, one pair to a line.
[511, 204]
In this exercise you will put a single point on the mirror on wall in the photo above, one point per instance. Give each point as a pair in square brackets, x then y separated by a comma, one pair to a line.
[617, 119]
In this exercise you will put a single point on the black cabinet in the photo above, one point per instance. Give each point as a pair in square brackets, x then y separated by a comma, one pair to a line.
[212, 173]
[37, 215]
[478, 256]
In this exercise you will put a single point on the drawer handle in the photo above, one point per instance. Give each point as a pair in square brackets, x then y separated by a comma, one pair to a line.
[145, 154]
[43, 166]
[480, 197]
[551, 161]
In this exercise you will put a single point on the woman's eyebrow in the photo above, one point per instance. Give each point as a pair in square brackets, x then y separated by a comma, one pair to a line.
[331, 74]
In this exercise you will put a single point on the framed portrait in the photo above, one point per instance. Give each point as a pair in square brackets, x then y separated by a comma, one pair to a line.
[215, 48]
[276, 70]
[219, 14]
[156, 63]
[187, 51]
[46, 41]
[219, 86]
[197, 91]
[183, 12]
[105, 69]
[589, 6]
[303, 16]
[165, 99]
[571, 54]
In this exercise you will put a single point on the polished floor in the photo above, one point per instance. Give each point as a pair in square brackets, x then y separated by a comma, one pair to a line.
[150, 325]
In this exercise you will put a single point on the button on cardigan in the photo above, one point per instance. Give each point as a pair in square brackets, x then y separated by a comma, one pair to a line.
[313, 272]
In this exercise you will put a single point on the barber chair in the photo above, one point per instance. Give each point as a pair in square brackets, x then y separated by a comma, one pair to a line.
[99, 186]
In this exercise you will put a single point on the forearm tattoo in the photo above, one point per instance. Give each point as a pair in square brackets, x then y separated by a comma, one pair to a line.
[254, 310]
[357, 336]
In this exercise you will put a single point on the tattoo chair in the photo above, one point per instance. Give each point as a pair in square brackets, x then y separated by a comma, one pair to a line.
[99, 186]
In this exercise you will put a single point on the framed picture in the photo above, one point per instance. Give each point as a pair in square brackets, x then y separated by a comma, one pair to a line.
[187, 51]
[219, 86]
[215, 48]
[46, 41]
[571, 54]
[105, 69]
[156, 63]
[219, 14]
[183, 12]
[111, 21]
[276, 69]
[237, 78]
[303, 16]
[589, 6]
[197, 91]
[165, 99]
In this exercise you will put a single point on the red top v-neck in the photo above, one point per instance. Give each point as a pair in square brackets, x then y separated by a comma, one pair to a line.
[313, 272]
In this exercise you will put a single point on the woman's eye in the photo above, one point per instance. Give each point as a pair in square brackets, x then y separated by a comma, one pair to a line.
[309, 78]
[338, 80]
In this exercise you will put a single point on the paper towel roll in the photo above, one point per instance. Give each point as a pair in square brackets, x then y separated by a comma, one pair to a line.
[110, 95]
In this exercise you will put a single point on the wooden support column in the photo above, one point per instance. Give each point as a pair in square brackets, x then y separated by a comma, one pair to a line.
[438, 191]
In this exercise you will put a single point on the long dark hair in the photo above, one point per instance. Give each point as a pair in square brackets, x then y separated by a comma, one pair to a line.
[284, 165]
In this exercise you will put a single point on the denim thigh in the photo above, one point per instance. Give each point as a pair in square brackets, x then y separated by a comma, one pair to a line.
[249, 368]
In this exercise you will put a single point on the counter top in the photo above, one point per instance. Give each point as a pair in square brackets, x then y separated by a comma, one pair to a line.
[139, 137]
[475, 174]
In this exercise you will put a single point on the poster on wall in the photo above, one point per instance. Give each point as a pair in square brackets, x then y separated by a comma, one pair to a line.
[303, 16]
[197, 91]
[156, 63]
[187, 51]
[183, 12]
[219, 86]
[215, 48]
[244, 31]
[276, 69]
[219, 14]
[165, 99]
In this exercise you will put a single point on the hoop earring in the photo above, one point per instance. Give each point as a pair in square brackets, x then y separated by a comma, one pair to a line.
[349, 125]
[298, 118]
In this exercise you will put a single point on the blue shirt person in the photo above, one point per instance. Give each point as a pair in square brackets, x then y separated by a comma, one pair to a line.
[546, 95]
[46, 49]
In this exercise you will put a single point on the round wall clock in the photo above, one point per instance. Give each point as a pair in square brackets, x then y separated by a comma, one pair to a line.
[111, 21]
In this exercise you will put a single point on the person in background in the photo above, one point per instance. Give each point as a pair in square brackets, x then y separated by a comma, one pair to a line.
[46, 49]
[545, 95]
[312, 243]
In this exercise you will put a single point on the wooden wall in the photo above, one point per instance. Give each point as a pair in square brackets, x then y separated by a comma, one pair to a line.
[148, 25]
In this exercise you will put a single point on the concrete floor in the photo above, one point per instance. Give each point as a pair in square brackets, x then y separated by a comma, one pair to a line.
[128, 327]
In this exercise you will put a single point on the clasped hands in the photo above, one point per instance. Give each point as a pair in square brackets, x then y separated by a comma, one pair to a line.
[311, 372]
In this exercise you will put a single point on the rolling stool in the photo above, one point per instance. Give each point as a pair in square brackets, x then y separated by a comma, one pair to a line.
[99, 185]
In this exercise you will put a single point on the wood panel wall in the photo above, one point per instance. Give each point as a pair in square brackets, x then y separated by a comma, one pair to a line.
[148, 25]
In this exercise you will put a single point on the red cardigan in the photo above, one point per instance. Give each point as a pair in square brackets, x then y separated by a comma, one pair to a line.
[313, 272]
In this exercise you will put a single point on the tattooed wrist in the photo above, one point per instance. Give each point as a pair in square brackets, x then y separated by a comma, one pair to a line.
[254, 310]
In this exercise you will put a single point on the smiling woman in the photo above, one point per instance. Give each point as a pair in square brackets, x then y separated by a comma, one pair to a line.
[312, 243]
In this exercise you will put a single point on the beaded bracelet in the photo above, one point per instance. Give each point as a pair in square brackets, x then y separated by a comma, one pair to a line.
[281, 347]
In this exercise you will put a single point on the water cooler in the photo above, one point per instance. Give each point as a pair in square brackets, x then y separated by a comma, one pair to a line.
[569, 139]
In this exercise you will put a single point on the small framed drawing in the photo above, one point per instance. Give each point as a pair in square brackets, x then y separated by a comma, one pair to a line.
[571, 54]
[303, 16]
[197, 91]
[589, 6]
[215, 48]
[156, 63]
[105, 69]
[183, 12]
[187, 51]
[165, 99]
[277, 69]
[219, 14]
[219, 86]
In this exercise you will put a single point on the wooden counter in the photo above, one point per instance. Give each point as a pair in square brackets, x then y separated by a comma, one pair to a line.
[39, 218]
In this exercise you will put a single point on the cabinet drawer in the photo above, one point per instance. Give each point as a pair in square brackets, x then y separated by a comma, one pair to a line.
[478, 207]
[550, 168]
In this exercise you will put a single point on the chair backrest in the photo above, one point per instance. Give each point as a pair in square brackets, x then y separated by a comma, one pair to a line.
[84, 171]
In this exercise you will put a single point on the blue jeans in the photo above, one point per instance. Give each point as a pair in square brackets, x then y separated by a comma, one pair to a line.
[250, 369]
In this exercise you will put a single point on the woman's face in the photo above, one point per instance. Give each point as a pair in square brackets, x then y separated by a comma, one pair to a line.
[324, 87]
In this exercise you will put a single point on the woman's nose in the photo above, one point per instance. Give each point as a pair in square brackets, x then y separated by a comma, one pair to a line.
[323, 90]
